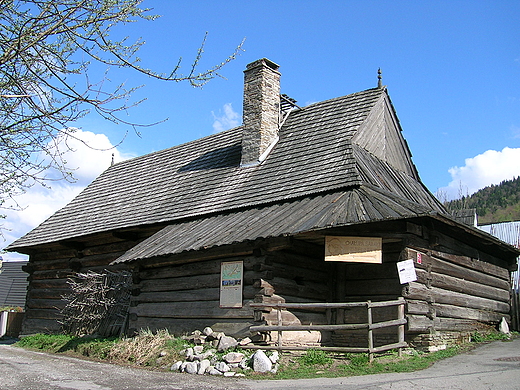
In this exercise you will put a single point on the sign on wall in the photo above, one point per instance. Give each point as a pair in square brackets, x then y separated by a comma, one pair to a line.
[354, 249]
[406, 271]
[231, 281]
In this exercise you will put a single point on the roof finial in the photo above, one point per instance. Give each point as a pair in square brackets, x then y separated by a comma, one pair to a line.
[379, 79]
[112, 163]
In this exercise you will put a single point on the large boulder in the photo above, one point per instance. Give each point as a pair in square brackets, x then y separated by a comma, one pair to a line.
[261, 363]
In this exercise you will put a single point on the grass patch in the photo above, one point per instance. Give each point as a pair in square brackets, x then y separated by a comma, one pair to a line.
[161, 349]
[478, 337]
[338, 365]
[313, 357]
[44, 342]
[146, 349]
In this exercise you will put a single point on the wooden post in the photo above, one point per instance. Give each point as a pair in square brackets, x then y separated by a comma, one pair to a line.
[370, 335]
[279, 323]
[400, 328]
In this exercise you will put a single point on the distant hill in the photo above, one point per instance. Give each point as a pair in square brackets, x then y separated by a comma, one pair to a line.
[497, 203]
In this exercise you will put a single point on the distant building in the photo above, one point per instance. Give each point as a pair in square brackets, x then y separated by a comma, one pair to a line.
[13, 284]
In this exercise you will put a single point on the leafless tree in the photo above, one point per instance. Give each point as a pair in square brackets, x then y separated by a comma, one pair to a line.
[46, 51]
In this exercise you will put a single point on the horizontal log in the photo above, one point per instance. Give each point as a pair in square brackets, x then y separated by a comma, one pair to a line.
[49, 283]
[182, 283]
[52, 274]
[304, 348]
[32, 326]
[450, 311]
[387, 324]
[208, 309]
[103, 268]
[388, 347]
[448, 268]
[463, 286]
[295, 273]
[287, 328]
[419, 291]
[420, 307]
[468, 262]
[204, 294]
[221, 252]
[111, 248]
[46, 314]
[421, 324]
[298, 261]
[374, 298]
[193, 282]
[194, 268]
[322, 305]
[45, 304]
[53, 257]
[48, 293]
[45, 265]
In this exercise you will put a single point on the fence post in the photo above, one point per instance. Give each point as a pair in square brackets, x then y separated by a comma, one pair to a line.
[279, 323]
[370, 335]
[400, 329]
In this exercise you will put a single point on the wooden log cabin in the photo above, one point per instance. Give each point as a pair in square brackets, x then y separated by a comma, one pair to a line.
[264, 198]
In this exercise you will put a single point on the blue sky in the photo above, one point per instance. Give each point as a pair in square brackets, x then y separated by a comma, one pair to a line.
[452, 69]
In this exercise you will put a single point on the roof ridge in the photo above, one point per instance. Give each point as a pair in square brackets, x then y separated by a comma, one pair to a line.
[376, 90]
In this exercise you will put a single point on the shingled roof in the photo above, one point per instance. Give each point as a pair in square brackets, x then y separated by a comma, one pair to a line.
[316, 170]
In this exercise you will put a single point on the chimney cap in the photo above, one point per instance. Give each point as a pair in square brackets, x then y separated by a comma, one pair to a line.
[263, 61]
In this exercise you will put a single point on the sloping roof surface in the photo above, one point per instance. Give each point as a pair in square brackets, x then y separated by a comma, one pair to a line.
[356, 205]
[506, 231]
[203, 177]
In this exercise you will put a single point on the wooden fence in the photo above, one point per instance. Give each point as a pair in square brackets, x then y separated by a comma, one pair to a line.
[370, 326]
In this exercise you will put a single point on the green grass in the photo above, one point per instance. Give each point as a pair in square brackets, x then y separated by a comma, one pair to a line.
[159, 350]
[313, 357]
[43, 342]
[358, 364]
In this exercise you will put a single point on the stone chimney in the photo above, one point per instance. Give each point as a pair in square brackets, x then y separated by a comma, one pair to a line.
[261, 111]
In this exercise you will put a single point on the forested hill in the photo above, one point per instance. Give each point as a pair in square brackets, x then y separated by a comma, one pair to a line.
[497, 203]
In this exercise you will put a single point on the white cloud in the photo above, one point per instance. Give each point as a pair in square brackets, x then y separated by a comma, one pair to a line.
[39, 203]
[490, 167]
[225, 120]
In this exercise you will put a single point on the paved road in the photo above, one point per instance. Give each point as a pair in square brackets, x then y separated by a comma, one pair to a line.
[476, 370]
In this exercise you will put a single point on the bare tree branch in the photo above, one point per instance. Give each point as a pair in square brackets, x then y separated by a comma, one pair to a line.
[45, 49]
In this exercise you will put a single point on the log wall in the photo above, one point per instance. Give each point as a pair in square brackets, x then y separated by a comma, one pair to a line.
[48, 274]
[182, 294]
[183, 297]
[455, 293]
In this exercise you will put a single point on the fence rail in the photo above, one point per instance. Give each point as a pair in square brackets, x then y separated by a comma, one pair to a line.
[369, 325]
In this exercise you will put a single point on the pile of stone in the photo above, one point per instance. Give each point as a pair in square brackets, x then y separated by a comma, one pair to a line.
[207, 356]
